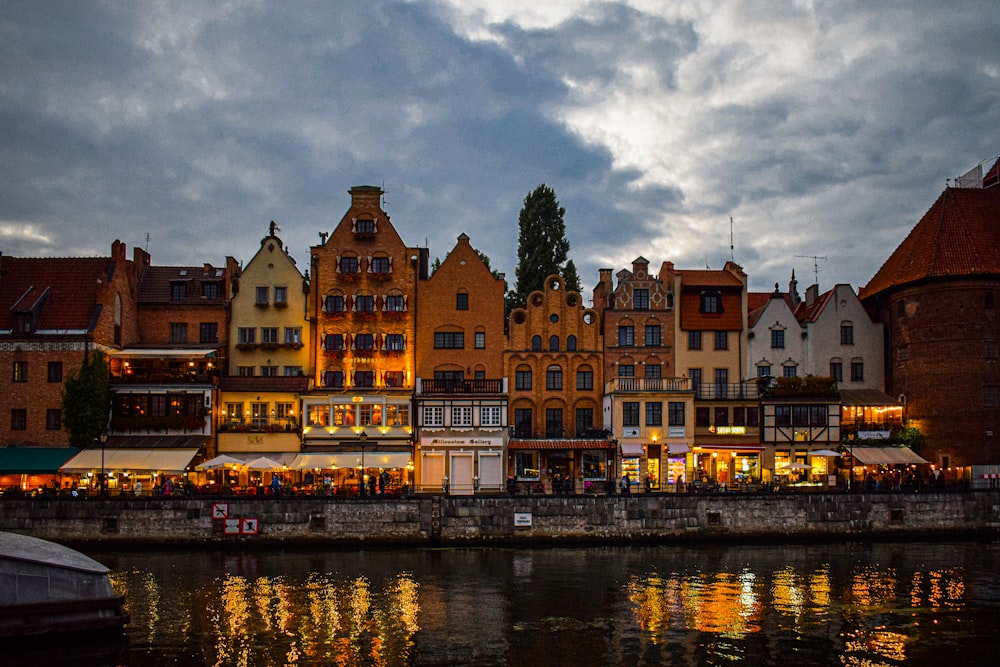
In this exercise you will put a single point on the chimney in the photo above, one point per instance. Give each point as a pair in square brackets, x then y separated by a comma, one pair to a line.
[367, 197]
[812, 293]
[118, 251]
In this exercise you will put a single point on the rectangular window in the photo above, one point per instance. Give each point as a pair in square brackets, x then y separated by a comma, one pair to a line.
[763, 371]
[394, 342]
[991, 396]
[334, 303]
[626, 336]
[53, 419]
[837, 371]
[654, 335]
[653, 371]
[281, 296]
[293, 371]
[333, 342]
[449, 340]
[702, 417]
[695, 375]
[262, 295]
[210, 290]
[19, 419]
[675, 413]
[269, 371]
[790, 371]
[20, 371]
[523, 422]
[739, 416]
[364, 303]
[630, 413]
[208, 332]
[782, 415]
[721, 382]
[461, 415]
[640, 299]
[343, 415]
[817, 415]
[369, 415]
[178, 291]
[348, 264]
[585, 380]
[654, 414]
[480, 340]
[553, 378]
[752, 415]
[395, 303]
[380, 265]
[462, 301]
[55, 371]
[846, 334]
[490, 415]
[522, 379]
[526, 466]
[245, 371]
[269, 335]
[397, 415]
[364, 379]
[364, 226]
[318, 415]
[246, 335]
[694, 340]
[800, 415]
[284, 410]
[584, 421]
[777, 338]
[434, 416]
[553, 423]
[857, 371]
[363, 342]
[178, 332]
[394, 378]
[333, 379]
[595, 464]
[721, 416]
[721, 340]
[626, 371]
[711, 302]
[293, 335]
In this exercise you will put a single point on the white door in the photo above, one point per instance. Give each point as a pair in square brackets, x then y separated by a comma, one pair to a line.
[431, 471]
[490, 472]
[461, 474]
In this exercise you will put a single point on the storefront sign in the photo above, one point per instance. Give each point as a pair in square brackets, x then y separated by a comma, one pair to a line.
[522, 519]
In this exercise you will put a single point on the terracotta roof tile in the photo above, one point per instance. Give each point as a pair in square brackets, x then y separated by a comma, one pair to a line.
[708, 278]
[72, 284]
[958, 236]
[156, 283]
[811, 312]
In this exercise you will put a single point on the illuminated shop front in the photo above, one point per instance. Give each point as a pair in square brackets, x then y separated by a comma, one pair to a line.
[727, 463]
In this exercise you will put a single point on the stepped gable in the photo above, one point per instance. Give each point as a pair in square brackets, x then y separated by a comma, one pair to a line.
[958, 236]
[62, 290]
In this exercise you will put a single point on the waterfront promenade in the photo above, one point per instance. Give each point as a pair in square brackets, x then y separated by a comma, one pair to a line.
[494, 519]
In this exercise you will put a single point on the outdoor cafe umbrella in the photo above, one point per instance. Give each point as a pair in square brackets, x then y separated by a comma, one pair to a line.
[263, 463]
[825, 452]
[795, 466]
[220, 461]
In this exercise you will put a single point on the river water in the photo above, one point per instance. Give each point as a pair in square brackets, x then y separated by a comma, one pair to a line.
[864, 604]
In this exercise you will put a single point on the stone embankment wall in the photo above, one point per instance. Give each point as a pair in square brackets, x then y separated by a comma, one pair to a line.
[440, 519]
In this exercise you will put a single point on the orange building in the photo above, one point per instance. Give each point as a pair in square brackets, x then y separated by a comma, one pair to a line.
[461, 395]
[554, 356]
[363, 300]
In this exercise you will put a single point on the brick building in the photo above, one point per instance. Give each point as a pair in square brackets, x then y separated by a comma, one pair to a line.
[647, 407]
[937, 296]
[461, 394]
[555, 356]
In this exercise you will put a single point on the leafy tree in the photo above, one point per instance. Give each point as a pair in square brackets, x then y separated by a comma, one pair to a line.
[542, 244]
[436, 264]
[86, 401]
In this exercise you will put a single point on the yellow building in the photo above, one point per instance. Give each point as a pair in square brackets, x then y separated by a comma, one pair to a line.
[259, 409]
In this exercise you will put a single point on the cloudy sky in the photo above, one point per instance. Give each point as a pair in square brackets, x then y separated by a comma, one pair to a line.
[821, 129]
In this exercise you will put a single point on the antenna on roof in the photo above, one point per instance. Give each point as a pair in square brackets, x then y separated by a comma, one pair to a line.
[146, 249]
[815, 259]
[732, 256]
[383, 194]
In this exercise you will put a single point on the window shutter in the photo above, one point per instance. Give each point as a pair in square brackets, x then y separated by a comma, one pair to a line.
[375, 225]
[354, 225]
[338, 263]
[368, 262]
[390, 265]
[406, 301]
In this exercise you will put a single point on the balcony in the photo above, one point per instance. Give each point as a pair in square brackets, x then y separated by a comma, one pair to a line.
[727, 392]
[461, 386]
[129, 424]
[261, 425]
[138, 376]
[637, 385]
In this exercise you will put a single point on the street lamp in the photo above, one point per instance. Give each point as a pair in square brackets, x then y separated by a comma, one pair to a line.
[104, 439]
[363, 438]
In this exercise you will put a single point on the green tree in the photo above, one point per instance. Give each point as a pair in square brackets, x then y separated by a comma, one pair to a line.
[571, 277]
[86, 401]
[542, 244]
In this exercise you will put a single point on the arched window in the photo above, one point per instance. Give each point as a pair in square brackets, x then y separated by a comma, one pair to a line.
[571, 343]
[554, 344]
[536, 343]
[553, 378]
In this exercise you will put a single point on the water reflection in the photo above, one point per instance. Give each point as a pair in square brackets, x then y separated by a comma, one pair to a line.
[834, 604]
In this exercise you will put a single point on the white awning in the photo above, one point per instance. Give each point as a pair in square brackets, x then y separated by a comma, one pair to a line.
[136, 353]
[886, 455]
[350, 459]
[678, 447]
[631, 449]
[152, 460]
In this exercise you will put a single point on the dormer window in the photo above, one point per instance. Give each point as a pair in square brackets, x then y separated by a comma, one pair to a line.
[711, 302]
[210, 290]
[364, 226]
[23, 323]
[178, 291]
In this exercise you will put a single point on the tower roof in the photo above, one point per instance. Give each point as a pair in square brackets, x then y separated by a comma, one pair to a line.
[958, 236]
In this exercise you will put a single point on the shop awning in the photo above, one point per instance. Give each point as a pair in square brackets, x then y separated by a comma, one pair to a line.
[558, 444]
[350, 459]
[731, 446]
[173, 353]
[885, 455]
[866, 397]
[34, 460]
[678, 447]
[151, 460]
[631, 450]
[284, 458]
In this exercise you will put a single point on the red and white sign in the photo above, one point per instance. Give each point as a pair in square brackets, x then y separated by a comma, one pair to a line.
[249, 526]
[220, 510]
[231, 527]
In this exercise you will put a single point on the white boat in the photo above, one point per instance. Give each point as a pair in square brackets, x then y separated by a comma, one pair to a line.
[47, 589]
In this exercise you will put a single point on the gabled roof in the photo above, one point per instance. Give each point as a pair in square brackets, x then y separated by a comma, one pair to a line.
[957, 237]
[756, 302]
[64, 288]
[708, 278]
[811, 312]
